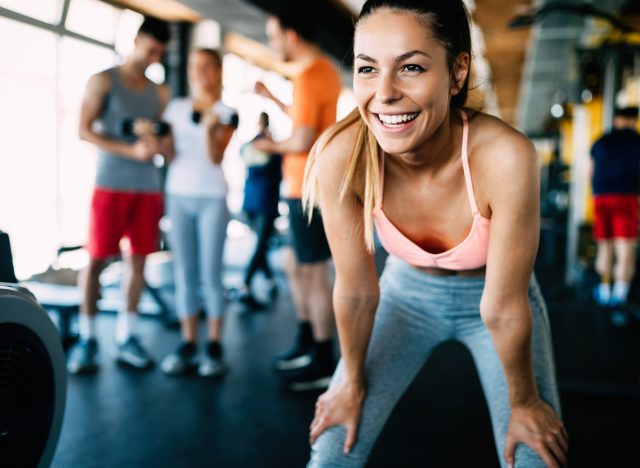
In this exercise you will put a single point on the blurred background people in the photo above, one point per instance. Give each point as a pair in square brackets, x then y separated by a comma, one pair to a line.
[127, 198]
[616, 185]
[261, 196]
[196, 203]
[310, 361]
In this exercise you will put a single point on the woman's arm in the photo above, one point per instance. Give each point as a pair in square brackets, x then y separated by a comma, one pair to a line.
[355, 294]
[166, 146]
[218, 137]
[512, 172]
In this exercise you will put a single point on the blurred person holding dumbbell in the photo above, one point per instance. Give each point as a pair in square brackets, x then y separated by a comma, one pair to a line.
[261, 197]
[127, 198]
[196, 203]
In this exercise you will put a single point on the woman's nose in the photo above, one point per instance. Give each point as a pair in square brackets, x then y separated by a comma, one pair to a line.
[387, 91]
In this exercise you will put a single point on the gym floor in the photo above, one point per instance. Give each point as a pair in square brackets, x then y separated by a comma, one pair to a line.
[120, 417]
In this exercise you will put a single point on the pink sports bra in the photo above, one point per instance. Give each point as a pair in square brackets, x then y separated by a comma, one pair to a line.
[469, 254]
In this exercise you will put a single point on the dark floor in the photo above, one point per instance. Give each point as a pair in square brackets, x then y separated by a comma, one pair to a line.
[124, 418]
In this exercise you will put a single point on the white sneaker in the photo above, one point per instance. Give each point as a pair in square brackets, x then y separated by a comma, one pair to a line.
[602, 294]
[212, 367]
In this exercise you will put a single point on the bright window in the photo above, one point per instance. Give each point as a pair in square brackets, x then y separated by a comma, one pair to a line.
[28, 141]
[78, 61]
[44, 10]
[93, 18]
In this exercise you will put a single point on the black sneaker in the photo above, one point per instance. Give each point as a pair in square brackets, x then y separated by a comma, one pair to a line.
[212, 363]
[248, 299]
[299, 354]
[182, 360]
[272, 289]
[132, 353]
[314, 376]
[83, 357]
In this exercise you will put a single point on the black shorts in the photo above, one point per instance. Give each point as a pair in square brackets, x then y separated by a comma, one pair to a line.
[307, 239]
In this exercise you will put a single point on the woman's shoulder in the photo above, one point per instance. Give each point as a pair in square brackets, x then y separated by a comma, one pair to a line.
[178, 103]
[221, 106]
[336, 143]
[332, 156]
[497, 146]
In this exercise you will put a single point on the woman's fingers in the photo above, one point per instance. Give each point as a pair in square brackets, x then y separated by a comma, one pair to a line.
[565, 436]
[556, 449]
[543, 451]
[321, 424]
[563, 439]
[509, 450]
[352, 435]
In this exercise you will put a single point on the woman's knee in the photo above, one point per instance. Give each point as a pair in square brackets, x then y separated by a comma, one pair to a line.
[327, 452]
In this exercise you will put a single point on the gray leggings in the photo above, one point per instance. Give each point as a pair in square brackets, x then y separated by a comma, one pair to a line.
[197, 236]
[418, 311]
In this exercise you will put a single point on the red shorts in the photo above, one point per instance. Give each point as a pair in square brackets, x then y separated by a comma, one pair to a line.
[116, 215]
[616, 216]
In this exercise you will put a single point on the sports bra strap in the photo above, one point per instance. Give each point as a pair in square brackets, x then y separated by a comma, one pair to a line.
[465, 167]
[465, 163]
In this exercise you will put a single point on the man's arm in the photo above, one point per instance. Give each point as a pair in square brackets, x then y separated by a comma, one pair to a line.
[93, 100]
[300, 141]
[263, 91]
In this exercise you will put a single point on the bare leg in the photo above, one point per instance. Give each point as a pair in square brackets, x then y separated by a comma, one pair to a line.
[214, 328]
[89, 282]
[189, 328]
[319, 303]
[604, 259]
[296, 285]
[625, 250]
[134, 281]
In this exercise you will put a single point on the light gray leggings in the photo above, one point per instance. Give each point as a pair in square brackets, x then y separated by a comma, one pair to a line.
[418, 311]
[197, 236]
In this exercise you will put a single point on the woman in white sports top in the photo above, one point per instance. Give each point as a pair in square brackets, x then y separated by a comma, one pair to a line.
[196, 204]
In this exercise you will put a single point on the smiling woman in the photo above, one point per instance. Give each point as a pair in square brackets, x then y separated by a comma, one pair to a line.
[430, 175]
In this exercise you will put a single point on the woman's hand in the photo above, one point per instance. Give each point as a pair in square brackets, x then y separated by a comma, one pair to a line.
[339, 406]
[210, 119]
[537, 426]
[262, 90]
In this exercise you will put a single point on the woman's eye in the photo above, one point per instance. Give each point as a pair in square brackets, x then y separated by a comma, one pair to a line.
[413, 68]
[364, 70]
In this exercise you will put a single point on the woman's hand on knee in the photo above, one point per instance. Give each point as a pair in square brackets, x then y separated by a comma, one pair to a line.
[539, 427]
[340, 405]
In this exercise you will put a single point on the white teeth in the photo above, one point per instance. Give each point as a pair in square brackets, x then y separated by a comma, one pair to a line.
[396, 118]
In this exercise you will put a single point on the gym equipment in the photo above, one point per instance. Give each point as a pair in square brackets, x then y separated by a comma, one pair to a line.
[33, 380]
[6, 260]
[225, 118]
[140, 127]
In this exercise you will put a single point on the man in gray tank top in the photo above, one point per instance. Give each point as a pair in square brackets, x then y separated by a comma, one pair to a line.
[120, 113]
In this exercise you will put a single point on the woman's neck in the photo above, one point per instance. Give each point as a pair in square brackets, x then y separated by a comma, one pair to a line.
[208, 97]
[437, 152]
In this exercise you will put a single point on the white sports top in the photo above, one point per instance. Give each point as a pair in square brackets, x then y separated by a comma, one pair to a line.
[191, 172]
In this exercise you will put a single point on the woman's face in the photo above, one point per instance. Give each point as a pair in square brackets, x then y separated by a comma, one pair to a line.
[401, 80]
[204, 72]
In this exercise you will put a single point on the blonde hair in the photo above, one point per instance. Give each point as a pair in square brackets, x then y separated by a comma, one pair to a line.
[365, 148]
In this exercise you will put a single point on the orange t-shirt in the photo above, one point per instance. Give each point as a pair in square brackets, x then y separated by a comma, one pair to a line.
[315, 101]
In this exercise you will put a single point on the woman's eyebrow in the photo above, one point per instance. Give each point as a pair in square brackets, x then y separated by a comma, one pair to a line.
[366, 58]
[400, 58]
[410, 54]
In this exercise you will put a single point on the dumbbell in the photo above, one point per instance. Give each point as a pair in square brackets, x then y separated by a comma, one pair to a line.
[225, 118]
[126, 127]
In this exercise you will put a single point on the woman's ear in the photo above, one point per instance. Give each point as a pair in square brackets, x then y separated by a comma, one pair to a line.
[460, 72]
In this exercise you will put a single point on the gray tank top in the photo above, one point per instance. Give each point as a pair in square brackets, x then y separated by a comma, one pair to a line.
[114, 171]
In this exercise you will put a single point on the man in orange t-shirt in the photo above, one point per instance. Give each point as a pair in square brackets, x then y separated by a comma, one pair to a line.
[310, 362]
